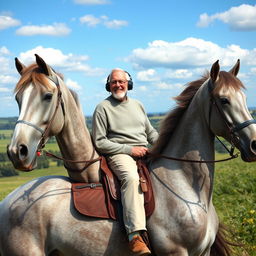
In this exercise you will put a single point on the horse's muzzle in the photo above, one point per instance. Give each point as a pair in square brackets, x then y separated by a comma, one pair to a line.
[248, 154]
[18, 155]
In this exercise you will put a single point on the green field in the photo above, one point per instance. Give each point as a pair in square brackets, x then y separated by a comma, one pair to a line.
[234, 193]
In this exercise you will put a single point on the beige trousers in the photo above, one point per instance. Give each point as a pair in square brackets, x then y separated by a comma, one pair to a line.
[125, 168]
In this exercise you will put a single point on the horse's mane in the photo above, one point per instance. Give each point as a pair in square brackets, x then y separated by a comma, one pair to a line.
[170, 122]
[75, 96]
[33, 74]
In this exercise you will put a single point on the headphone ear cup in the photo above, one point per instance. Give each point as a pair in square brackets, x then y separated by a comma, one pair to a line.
[130, 82]
[130, 85]
[107, 87]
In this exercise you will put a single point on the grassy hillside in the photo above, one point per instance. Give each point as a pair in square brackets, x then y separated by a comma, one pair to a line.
[234, 198]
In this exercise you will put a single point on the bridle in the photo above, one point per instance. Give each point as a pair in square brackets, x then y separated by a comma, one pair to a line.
[232, 129]
[45, 133]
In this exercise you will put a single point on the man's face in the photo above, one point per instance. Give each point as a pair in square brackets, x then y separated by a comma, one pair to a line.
[119, 85]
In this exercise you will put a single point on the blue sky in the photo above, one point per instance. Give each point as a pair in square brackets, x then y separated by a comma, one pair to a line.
[163, 44]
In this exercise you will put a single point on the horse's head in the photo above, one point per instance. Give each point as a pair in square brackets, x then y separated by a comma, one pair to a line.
[41, 112]
[229, 115]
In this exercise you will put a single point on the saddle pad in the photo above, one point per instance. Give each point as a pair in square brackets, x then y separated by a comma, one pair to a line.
[90, 199]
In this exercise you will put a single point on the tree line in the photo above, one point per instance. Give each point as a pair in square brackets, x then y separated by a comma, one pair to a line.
[7, 169]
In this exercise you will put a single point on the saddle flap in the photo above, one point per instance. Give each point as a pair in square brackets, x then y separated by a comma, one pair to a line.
[90, 199]
[111, 179]
[149, 200]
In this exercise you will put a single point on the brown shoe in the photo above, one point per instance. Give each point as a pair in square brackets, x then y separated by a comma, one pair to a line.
[138, 247]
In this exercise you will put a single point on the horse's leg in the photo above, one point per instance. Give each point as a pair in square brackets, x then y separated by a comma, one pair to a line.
[22, 244]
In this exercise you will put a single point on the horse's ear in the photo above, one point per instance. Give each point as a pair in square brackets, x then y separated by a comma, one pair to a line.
[215, 71]
[235, 69]
[41, 63]
[19, 66]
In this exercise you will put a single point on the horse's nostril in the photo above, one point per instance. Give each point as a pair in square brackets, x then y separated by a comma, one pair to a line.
[253, 145]
[23, 150]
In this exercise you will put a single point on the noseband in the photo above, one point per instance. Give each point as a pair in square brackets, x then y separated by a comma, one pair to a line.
[45, 133]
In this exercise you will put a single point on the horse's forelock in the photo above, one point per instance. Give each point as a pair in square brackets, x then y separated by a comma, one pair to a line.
[32, 74]
[225, 81]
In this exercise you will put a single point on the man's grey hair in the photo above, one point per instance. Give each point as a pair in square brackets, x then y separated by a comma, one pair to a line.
[118, 69]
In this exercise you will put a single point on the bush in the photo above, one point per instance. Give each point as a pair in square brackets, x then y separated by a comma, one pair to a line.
[7, 170]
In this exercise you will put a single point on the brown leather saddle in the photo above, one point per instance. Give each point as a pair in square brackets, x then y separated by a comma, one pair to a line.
[101, 200]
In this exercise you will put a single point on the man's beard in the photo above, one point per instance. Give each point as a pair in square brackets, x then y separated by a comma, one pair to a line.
[119, 96]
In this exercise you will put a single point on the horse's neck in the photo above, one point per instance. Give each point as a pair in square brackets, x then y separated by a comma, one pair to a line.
[192, 182]
[75, 144]
[192, 138]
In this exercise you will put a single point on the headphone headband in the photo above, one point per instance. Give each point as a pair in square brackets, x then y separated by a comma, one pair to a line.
[130, 82]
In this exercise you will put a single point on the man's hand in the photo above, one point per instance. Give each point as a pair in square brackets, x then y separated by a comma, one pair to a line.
[139, 151]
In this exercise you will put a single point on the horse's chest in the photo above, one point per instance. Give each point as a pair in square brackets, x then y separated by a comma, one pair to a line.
[189, 227]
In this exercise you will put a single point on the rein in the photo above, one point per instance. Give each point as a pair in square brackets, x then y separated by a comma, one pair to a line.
[87, 162]
[191, 160]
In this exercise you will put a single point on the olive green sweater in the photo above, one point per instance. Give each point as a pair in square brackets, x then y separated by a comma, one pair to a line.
[118, 126]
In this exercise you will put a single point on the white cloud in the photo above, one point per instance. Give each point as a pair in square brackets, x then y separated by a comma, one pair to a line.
[73, 84]
[241, 18]
[142, 88]
[57, 59]
[115, 23]
[8, 21]
[147, 75]
[4, 51]
[179, 73]
[205, 20]
[52, 56]
[91, 2]
[57, 29]
[189, 53]
[92, 21]
[5, 62]
[253, 70]
[167, 86]
[7, 79]
[4, 89]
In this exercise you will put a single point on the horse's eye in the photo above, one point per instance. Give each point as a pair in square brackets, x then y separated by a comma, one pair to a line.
[48, 96]
[224, 101]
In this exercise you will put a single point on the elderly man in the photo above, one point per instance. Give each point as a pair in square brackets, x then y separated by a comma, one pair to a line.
[121, 132]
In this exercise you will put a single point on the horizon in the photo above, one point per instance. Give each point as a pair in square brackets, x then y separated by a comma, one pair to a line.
[162, 44]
